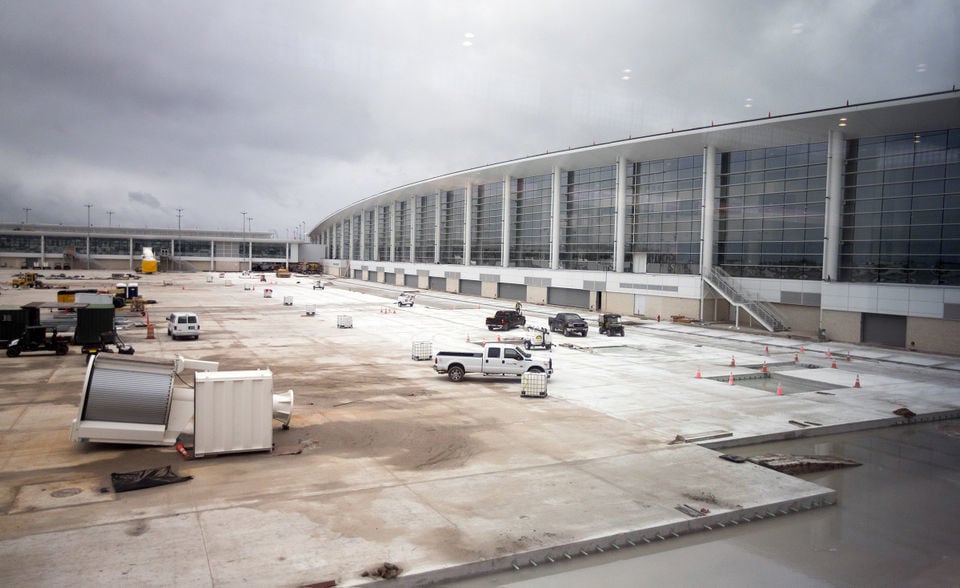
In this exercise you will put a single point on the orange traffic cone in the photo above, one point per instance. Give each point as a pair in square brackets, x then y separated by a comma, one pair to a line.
[779, 389]
[468, 337]
[834, 364]
[857, 383]
[796, 358]
[766, 349]
[801, 349]
[731, 379]
[150, 333]
[498, 338]
[763, 369]
[698, 372]
[733, 361]
[848, 356]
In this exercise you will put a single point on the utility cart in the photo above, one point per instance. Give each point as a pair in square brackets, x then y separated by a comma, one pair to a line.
[610, 325]
[38, 339]
[537, 337]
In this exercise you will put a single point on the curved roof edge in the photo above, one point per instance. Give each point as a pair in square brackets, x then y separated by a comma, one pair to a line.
[916, 112]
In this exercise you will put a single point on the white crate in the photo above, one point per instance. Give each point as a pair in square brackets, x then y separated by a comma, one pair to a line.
[288, 300]
[533, 384]
[344, 321]
[311, 309]
[421, 350]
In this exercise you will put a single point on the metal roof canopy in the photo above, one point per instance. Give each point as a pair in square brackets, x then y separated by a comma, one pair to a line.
[57, 305]
[928, 112]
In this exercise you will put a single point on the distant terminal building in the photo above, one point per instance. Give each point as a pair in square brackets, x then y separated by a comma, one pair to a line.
[61, 247]
[843, 223]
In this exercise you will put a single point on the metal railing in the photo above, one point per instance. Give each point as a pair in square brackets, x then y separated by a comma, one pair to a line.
[764, 312]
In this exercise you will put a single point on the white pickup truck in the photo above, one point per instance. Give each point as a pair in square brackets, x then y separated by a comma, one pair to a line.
[500, 359]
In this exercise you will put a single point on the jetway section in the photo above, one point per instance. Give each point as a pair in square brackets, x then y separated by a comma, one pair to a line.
[135, 401]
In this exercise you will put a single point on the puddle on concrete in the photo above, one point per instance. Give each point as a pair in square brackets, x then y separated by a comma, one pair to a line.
[771, 381]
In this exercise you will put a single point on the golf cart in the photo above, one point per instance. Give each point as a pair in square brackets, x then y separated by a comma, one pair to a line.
[610, 325]
[406, 298]
[537, 337]
[38, 339]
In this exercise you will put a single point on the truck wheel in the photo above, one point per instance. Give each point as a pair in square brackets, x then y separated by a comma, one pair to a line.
[526, 344]
[62, 349]
[536, 370]
[455, 373]
[13, 351]
[489, 328]
[547, 346]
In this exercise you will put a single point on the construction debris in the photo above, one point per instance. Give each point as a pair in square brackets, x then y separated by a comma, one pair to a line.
[802, 464]
[387, 571]
[697, 437]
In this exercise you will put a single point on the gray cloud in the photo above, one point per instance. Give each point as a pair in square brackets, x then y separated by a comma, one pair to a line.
[290, 111]
[145, 199]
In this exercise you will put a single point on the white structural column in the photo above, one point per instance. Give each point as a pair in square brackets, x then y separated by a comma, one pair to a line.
[834, 207]
[413, 229]
[363, 235]
[436, 228]
[708, 237]
[467, 221]
[620, 230]
[375, 254]
[555, 203]
[392, 219]
[505, 227]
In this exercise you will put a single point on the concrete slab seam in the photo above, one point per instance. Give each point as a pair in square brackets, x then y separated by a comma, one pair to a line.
[618, 541]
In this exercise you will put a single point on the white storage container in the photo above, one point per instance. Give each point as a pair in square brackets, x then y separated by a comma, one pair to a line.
[533, 384]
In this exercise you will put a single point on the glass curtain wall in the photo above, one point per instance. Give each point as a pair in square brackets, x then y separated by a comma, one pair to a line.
[588, 219]
[451, 226]
[369, 230]
[270, 250]
[486, 236]
[424, 249]
[21, 243]
[531, 207]
[355, 237]
[108, 246]
[771, 212]
[663, 214]
[195, 248]
[401, 228]
[383, 233]
[72, 245]
[901, 215]
[337, 240]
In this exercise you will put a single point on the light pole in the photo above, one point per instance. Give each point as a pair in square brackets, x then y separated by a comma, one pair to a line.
[109, 218]
[89, 206]
[243, 235]
[26, 215]
[179, 238]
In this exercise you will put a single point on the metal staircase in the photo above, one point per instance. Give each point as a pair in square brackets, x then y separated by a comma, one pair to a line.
[764, 313]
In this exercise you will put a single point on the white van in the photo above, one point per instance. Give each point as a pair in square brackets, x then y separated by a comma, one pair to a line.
[183, 324]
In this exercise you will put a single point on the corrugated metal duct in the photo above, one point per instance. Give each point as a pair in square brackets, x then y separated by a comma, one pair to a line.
[127, 390]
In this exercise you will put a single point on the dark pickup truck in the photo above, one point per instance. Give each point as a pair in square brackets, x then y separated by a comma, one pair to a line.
[568, 322]
[506, 320]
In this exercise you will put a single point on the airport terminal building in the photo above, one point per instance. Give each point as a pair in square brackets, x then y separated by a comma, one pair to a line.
[842, 222]
[120, 249]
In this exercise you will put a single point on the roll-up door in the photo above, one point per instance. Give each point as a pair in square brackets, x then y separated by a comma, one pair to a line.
[884, 329]
[471, 287]
[357, 274]
[128, 396]
[371, 276]
[568, 297]
[411, 280]
[512, 291]
[438, 283]
[390, 278]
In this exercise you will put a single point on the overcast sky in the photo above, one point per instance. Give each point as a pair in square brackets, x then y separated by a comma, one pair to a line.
[291, 110]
